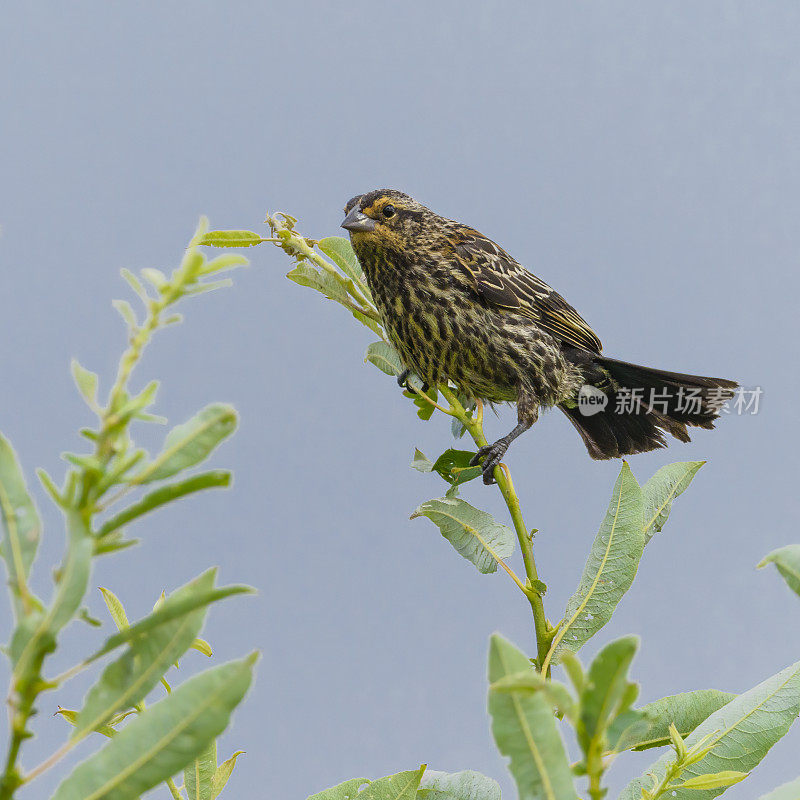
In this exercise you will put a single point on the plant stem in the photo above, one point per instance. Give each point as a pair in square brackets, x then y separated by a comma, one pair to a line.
[595, 769]
[474, 426]
[174, 790]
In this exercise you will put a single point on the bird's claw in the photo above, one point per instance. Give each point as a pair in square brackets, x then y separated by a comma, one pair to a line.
[489, 457]
[402, 382]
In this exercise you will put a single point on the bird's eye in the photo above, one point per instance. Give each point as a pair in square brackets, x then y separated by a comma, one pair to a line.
[389, 211]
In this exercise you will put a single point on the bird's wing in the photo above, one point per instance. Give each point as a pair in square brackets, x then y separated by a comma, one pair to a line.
[503, 282]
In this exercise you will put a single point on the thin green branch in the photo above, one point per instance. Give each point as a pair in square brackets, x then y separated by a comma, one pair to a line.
[474, 426]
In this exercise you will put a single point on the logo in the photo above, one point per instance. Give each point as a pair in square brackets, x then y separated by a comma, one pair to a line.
[591, 400]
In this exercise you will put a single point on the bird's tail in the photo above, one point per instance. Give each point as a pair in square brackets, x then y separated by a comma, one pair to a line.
[625, 409]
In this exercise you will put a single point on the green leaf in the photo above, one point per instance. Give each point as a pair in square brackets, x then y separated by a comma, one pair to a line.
[609, 571]
[686, 711]
[71, 716]
[159, 743]
[37, 633]
[474, 533]
[325, 283]
[531, 681]
[454, 467]
[719, 780]
[115, 608]
[22, 528]
[230, 239]
[788, 791]
[202, 646]
[198, 774]
[127, 681]
[424, 408]
[465, 785]
[112, 543]
[75, 573]
[165, 613]
[127, 313]
[223, 773]
[223, 262]
[155, 277]
[135, 284]
[740, 733]
[190, 443]
[166, 494]
[86, 382]
[524, 730]
[659, 492]
[601, 699]
[787, 561]
[342, 791]
[385, 358]
[402, 786]
[421, 462]
[339, 250]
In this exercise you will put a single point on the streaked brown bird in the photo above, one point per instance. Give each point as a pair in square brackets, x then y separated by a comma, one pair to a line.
[458, 308]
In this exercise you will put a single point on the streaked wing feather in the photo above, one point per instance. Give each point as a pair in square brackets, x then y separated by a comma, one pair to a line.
[505, 283]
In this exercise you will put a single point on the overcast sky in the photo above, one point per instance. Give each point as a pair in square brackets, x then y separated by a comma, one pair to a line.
[641, 157]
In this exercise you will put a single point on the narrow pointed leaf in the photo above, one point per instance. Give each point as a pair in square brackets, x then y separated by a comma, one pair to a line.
[661, 490]
[128, 680]
[465, 785]
[719, 780]
[202, 646]
[22, 528]
[524, 730]
[199, 773]
[686, 711]
[472, 532]
[166, 494]
[402, 786]
[190, 443]
[531, 681]
[787, 561]
[230, 239]
[86, 381]
[72, 717]
[347, 790]
[38, 632]
[740, 733]
[127, 313]
[421, 462]
[223, 262]
[609, 571]
[164, 614]
[159, 743]
[606, 686]
[115, 608]
[223, 774]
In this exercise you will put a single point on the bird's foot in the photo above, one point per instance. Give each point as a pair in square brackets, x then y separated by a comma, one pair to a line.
[402, 382]
[489, 457]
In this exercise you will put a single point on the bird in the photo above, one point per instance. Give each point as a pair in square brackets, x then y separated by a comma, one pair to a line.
[458, 308]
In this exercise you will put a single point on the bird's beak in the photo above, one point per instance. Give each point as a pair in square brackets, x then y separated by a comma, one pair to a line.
[357, 222]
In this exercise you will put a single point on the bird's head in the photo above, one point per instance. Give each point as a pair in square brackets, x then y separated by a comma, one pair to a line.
[384, 219]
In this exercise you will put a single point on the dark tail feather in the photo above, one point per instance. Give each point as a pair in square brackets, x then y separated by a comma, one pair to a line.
[644, 404]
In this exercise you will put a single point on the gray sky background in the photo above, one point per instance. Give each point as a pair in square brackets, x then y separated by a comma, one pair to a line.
[641, 157]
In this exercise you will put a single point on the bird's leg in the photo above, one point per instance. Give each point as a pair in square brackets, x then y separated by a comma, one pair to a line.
[402, 382]
[491, 455]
